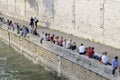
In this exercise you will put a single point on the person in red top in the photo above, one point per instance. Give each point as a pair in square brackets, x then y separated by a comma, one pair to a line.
[52, 38]
[60, 41]
[90, 52]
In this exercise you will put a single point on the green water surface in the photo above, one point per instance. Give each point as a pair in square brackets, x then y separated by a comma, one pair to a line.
[14, 66]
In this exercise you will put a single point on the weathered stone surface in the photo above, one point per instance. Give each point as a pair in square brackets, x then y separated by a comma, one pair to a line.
[96, 20]
[55, 58]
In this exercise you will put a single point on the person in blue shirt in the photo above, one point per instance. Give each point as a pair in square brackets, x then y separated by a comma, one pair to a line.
[115, 65]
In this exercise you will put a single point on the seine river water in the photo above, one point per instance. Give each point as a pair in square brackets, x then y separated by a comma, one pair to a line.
[14, 66]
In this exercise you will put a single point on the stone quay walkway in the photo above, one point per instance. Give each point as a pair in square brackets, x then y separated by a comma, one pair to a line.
[99, 48]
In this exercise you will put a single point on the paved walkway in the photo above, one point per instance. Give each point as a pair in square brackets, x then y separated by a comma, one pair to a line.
[99, 48]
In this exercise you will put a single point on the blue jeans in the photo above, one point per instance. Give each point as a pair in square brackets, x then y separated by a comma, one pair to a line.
[113, 71]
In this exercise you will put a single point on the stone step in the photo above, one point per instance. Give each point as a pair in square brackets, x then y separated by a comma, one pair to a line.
[117, 76]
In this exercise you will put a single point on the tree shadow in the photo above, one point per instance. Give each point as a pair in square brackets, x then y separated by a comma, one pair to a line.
[34, 4]
[48, 4]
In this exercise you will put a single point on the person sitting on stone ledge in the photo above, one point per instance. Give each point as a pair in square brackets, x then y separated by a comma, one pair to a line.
[10, 24]
[64, 43]
[18, 29]
[0, 21]
[73, 46]
[68, 44]
[35, 32]
[46, 37]
[100, 60]
[56, 40]
[23, 33]
[42, 37]
[21, 27]
[90, 52]
[14, 26]
[3, 20]
[105, 59]
[52, 38]
[82, 49]
[60, 41]
[87, 50]
[7, 24]
[26, 31]
[97, 56]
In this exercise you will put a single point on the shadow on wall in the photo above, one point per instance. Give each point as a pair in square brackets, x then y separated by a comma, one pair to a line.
[48, 4]
[34, 5]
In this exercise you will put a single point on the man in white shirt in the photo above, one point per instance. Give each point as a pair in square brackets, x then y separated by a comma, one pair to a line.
[82, 49]
[68, 44]
[64, 43]
[105, 59]
[42, 36]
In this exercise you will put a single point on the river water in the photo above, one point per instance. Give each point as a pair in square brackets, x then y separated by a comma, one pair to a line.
[14, 66]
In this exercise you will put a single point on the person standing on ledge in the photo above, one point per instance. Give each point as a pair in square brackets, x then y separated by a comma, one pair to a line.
[32, 24]
[115, 65]
[36, 21]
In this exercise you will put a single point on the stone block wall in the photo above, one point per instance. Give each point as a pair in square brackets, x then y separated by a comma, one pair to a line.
[96, 20]
[62, 62]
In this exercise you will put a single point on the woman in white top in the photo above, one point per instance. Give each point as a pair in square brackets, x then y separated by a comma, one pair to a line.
[64, 43]
[68, 44]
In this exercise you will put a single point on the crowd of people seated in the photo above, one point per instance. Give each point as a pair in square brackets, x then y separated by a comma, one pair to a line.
[10, 25]
[60, 41]
[82, 50]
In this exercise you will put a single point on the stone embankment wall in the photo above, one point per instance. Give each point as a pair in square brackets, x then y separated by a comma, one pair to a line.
[62, 62]
[96, 20]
